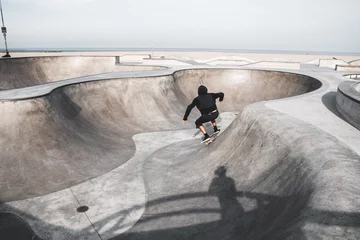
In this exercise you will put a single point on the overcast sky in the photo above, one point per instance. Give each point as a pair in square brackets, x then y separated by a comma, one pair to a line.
[309, 25]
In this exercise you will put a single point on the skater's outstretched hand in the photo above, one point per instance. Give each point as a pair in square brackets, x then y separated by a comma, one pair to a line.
[184, 121]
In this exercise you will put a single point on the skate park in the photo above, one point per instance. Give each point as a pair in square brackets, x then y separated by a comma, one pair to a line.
[98, 151]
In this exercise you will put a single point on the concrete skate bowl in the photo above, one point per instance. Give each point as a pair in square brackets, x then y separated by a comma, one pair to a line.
[348, 102]
[29, 71]
[277, 179]
[81, 131]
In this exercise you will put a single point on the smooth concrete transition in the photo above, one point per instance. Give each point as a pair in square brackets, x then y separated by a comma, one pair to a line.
[29, 71]
[285, 166]
[348, 102]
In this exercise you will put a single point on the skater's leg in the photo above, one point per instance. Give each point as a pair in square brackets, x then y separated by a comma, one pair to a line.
[213, 121]
[202, 129]
[206, 137]
[199, 125]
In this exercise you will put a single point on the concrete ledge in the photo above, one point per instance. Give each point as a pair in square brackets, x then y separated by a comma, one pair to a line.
[348, 102]
[331, 63]
[340, 68]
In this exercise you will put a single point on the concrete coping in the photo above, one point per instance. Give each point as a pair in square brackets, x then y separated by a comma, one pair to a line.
[350, 89]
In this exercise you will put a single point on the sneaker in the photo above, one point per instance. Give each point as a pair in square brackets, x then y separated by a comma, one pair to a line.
[205, 139]
[216, 131]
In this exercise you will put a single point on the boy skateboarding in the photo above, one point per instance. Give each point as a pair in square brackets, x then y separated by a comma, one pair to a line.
[206, 103]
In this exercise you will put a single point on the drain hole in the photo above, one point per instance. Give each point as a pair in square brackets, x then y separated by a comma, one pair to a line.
[82, 209]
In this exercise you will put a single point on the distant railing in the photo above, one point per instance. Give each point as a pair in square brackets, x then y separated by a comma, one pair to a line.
[353, 76]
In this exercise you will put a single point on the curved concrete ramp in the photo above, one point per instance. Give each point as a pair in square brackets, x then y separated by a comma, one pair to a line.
[262, 179]
[119, 148]
[29, 71]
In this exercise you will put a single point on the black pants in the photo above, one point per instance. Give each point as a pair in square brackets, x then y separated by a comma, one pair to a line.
[206, 118]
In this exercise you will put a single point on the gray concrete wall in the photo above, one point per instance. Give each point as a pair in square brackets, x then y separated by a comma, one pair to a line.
[24, 72]
[348, 102]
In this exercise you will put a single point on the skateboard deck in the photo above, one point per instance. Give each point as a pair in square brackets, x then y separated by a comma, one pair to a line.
[212, 138]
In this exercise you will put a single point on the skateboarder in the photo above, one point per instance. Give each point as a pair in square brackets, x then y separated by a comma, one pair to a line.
[206, 103]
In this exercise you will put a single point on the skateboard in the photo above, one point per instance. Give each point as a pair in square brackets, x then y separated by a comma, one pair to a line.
[212, 138]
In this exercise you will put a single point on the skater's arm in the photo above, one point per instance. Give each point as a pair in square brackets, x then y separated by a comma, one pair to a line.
[218, 95]
[188, 110]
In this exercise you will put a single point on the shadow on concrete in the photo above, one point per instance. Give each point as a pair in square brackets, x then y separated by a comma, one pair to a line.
[273, 217]
[329, 100]
[14, 227]
[64, 105]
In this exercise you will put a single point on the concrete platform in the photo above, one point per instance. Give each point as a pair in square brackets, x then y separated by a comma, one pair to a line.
[285, 166]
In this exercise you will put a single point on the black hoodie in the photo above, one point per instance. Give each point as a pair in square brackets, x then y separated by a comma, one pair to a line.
[205, 102]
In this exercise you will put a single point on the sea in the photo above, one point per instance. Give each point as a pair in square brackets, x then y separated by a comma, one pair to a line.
[259, 51]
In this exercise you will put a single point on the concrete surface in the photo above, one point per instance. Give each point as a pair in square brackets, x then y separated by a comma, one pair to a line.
[315, 61]
[134, 58]
[348, 102]
[357, 87]
[228, 62]
[274, 64]
[286, 165]
[226, 58]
